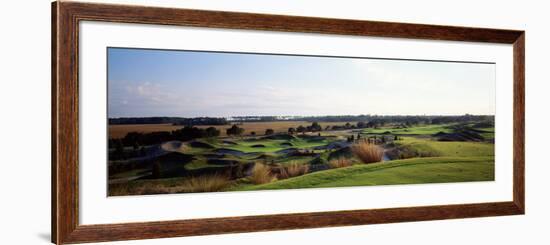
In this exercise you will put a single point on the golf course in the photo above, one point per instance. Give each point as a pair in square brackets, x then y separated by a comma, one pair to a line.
[304, 155]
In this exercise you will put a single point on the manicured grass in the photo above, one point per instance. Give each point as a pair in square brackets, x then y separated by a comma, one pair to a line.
[247, 146]
[419, 130]
[409, 171]
[489, 133]
[272, 145]
[452, 149]
[294, 159]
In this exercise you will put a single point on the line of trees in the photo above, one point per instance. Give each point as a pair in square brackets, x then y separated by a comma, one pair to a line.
[316, 127]
[169, 120]
[418, 119]
[136, 139]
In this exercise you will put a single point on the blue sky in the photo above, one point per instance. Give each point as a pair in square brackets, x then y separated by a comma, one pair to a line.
[143, 83]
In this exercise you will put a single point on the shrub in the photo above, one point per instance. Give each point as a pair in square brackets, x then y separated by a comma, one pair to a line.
[293, 169]
[367, 153]
[205, 183]
[291, 131]
[315, 127]
[211, 132]
[340, 163]
[234, 130]
[261, 174]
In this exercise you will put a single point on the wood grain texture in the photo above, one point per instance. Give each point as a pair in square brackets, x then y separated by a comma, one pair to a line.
[54, 123]
[195, 227]
[65, 104]
[519, 122]
[235, 20]
[65, 221]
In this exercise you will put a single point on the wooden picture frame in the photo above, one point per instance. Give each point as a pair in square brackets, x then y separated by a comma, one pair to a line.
[65, 121]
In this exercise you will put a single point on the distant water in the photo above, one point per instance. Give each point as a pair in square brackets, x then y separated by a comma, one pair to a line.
[385, 157]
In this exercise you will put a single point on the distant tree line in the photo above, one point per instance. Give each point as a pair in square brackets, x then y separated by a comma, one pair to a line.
[255, 119]
[169, 120]
[397, 121]
[369, 120]
[136, 139]
[373, 120]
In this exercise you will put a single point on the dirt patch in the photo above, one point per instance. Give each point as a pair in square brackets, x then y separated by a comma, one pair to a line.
[257, 146]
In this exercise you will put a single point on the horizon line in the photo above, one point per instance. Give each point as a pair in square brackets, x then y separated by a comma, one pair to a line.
[295, 116]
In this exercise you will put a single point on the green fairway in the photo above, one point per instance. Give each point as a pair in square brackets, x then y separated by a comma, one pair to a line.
[254, 149]
[451, 149]
[265, 145]
[417, 130]
[489, 133]
[275, 145]
[409, 171]
[455, 162]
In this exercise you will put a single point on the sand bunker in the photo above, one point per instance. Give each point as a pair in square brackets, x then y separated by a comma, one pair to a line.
[172, 146]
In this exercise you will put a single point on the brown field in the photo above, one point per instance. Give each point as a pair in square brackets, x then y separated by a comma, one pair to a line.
[119, 131]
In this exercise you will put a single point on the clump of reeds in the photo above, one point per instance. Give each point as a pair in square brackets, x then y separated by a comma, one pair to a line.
[367, 153]
[204, 183]
[341, 162]
[293, 169]
[261, 174]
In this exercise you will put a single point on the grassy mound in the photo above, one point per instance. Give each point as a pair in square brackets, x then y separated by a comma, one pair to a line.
[442, 148]
[279, 137]
[409, 171]
[417, 130]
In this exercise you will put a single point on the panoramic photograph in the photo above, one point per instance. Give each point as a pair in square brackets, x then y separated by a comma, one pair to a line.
[205, 121]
